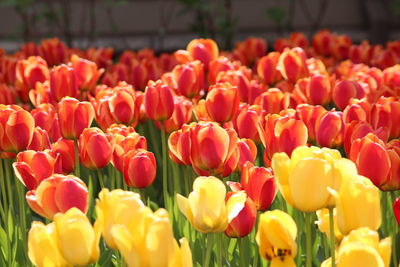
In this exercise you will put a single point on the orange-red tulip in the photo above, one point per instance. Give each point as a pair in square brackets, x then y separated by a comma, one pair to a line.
[204, 50]
[250, 50]
[219, 65]
[346, 90]
[66, 150]
[393, 181]
[40, 140]
[33, 167]
[329, 129]
[182, 115]
[396, 209]
[86, 71]
[46, 117]
[101, 56]
[139, 168]
[179, 144]
[74, 117]
[247, 151]
[95, 148]
[222, 102]
[58, 193]
[292, 64]
[158, 101]
[188, 78]
[319, 90]
[310, 115]
[321, 42]
[266, 68]
[240, 79]
[7, 94]
[53, 51]
[247, 122]
[272, 101]
[63, 82]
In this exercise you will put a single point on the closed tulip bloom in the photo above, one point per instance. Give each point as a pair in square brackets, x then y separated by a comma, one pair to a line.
[40, 140]
[179, 144]
[292, 64]
[329, 129]
[53, 51]
[182, 115]
[139, 168]
[272, 101]
[362, 247]
[247, 122]
[43, 247]
[357, 204]
[63, 82]
[188, 78]
[346, 90]
[319, 90]
[158, 101]
[295, 176]
[86, 71]
[74, 117]
[66, 151]
[247, 150]
[241, 79]
[204, 50]
[219, 65]
[74, 225]
[222, 102]
[241, 214]
[259, 184]
[58, 193]
[266, 68]
[16, 128]
[95, 148]
[205, 207]
[122, 103]
[33, 167]
[45, 116]
[276, 238]
[310, 115]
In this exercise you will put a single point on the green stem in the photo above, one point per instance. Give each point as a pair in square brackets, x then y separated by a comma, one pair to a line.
[308, 239]
[332, 237]
[241, 252]
[219, 249]
[100, 177]
[164, 169]
[77, 163]
[394, 233]
[3, 190]
[206, 261]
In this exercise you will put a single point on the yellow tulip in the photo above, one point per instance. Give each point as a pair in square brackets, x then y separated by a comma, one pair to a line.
[323, 224]
[78, 241]
[362, 247]
[304, 178]
[205, 207]
[276, 238]
[43, 250]
[358, 204]
[120, 207]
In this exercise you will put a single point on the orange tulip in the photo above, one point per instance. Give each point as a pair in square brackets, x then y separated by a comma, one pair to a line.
[292, 64]
[40, 140]
[329, 129]
[53, 51]
[188, 78]
[319, 90]
[28, 72]
[218, 65]
[344, 91]
[16, 128]
[33, 167]
[204, 50]
[247, 122]
[139, 168]
[95, 148]
[239, 78]
[182, 115]
[250, 50]
[242, 214]
[266, 68]
[86, 71]
[116, 73]
[101, 56]
[386, 114]
[222, 102]
[310, 115]
[247, 151]
[58, 193]
[66, 150]
[74, 117]
[321, 42]
[393, 181]
[158, 101]
[63, 82]
[179, 144]
[7, 94]
[46, 117]
[369, 154]
[272, 101]
[41, 94]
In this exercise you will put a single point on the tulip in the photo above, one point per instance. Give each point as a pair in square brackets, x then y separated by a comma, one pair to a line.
[40, 140]
[266, 68]
[66, 150]
[101, 56]
[362, 247]
[239, 78]
[250, 50]
[28, 72]
[357, 204]
[95, 148]
[272, 101]
[319, 90]
[344, 91]
[324, 225]
[204, 50]
[53, 51]
[188, 78]
[292, 64]
[295, 176]
[58, 193]
[396, 210]
[74, 117]
[16, 128]
[158, 101]
[40, 94]
[33, 167]
[219, 65]
[205, 207]
[222, 102]
[7, 94]
[310, 115]
[329, 129]
[259, 184]
[182, 115]
[139, 168]
[74, 225]
[179, 144]
[45, 116]
[241, 214]
[247, 122]
[321, 42]
[63, 82]
[247, 151]
[87, 73]
[276, 238]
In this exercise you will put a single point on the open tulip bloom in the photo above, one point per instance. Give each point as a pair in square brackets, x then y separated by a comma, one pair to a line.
[271, 154]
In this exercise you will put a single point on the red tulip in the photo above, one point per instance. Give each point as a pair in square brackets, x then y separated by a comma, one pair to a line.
[66, 150]
[319, 90]
[292, 64]
[139, 168]
[188, 78]
[266, 68]
[40, 140]
[222, 102]
[63, 82]
[329, 129]
[87, 73]
[182, 115]
[53, 51]
[247, 122]
[247, 151]
[158, 101]
[346, 90]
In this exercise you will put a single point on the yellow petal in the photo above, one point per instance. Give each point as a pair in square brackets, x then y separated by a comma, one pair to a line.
[358, 254]
[235, 204]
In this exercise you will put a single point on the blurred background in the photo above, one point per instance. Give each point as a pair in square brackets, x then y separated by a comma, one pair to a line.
[166, 25]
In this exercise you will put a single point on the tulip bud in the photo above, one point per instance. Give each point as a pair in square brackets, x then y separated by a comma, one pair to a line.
[241, 214]
[87, 73]
[182, 115]
[247, 152]
[222, 102]
[66, 150]
[204, 50]
[63, 82]
[188, 78]
[158, 101]
[319, 90]
[95, 148]
[122, 103]
[247, 122]
[346, 90]
[58, 193]
[329, 129]
[266, 68]
[74, 117]
[218, 65]
[45, 116]
[40, 140]
[139, 168]
[239, 78]
[292, 64]
[272, 101]
[53, 51]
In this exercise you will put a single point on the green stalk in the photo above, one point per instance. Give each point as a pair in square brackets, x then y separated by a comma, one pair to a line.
[308, 240]
[332, 237]
[206, 261]
[3, 190]
[164, 169]
[394, 233]
[219, 249]
[77, 163]
[241, 252]
[101, 178]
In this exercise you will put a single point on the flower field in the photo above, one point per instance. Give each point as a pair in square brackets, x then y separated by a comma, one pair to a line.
[284, 154]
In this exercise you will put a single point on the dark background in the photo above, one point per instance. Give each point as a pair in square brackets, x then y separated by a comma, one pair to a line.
[166, 25]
